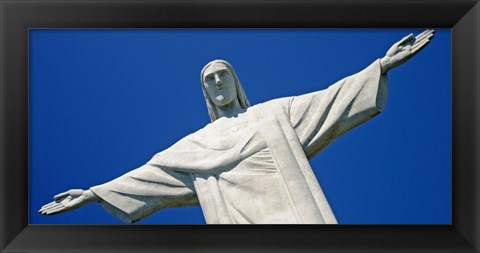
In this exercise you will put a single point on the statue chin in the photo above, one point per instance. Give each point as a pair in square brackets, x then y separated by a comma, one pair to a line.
[222, 100]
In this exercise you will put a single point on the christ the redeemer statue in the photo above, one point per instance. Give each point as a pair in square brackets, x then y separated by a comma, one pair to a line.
[250, 165]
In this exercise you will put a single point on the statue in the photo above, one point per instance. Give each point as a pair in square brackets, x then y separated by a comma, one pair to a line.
[250, 164]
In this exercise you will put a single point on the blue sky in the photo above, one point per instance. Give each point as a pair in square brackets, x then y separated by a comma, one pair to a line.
[103, 102]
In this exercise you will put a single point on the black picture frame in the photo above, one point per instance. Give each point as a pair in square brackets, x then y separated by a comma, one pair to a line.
[17, 16]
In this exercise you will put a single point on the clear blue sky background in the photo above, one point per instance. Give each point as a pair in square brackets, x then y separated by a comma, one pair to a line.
[103, 102]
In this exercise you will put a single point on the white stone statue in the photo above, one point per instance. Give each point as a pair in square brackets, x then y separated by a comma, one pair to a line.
[250, 165]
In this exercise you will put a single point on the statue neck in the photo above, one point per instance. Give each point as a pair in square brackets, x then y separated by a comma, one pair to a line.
[230, 110]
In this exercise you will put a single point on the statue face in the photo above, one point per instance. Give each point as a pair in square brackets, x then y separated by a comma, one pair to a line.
[220, 84]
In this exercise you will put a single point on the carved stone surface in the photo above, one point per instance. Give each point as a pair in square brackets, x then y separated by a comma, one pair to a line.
[250, 165]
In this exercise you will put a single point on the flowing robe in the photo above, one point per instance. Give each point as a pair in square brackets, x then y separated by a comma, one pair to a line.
[252, 168]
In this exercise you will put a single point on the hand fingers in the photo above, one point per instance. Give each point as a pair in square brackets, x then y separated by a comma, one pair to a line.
[44, 210]
[49, 204]
[53, 207]
[75, 192]
[61, 195]
[425, 36]
[406, 39]
[424, 33]
[421, 42]
[55, 210]
[419, 47]
[52, 210]
[48, 207]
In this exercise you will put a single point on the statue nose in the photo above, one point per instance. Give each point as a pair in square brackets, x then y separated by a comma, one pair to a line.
[218, 81]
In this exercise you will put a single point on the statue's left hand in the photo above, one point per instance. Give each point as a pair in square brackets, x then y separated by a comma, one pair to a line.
[405, 49]
[68, 201]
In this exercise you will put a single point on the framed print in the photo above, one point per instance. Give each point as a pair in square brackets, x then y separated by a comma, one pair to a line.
[116, 98]
[47, 106]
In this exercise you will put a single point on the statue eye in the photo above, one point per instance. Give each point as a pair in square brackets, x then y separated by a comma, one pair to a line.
[208, 78]
[223, 73]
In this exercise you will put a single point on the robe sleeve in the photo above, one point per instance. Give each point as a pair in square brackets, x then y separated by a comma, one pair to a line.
[145, 190]
[320, 117]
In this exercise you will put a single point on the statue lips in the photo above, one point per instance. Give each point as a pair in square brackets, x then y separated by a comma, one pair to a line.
[221, 88]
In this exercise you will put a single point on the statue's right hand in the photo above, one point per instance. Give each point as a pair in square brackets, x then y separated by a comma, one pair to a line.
[67, 201]
[405, 49]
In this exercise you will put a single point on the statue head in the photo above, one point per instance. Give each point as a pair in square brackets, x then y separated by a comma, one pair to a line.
[222, 88]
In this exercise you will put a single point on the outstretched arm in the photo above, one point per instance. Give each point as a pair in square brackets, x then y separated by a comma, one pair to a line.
[320, 117]
[405, 49]
[132, 196]
[69, 200]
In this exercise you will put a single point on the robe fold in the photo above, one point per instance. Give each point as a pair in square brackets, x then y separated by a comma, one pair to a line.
[252, 168]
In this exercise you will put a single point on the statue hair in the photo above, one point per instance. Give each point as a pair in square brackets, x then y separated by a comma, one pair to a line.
[241, 96]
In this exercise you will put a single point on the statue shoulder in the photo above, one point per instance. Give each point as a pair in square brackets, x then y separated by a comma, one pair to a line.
[284, 101]
[274, 106]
